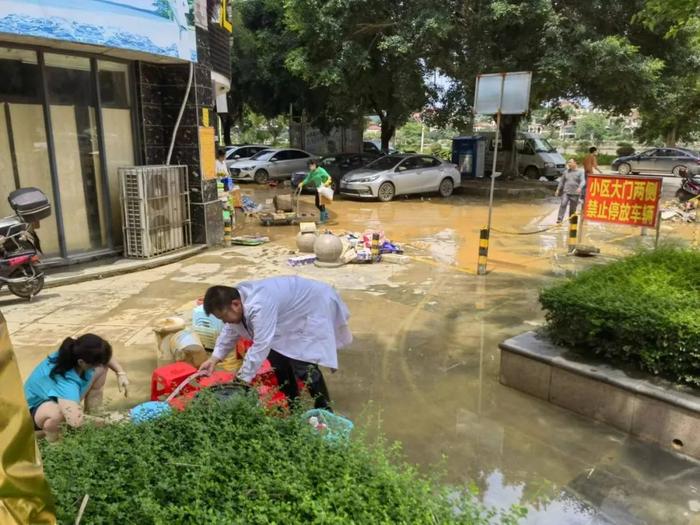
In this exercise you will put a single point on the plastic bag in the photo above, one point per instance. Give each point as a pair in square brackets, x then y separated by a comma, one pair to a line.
[326, 193]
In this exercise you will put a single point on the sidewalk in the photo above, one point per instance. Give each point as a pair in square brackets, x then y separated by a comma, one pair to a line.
[100, 269]
[508, 189]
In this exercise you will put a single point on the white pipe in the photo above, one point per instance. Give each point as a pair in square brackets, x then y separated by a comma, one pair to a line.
[179, 116]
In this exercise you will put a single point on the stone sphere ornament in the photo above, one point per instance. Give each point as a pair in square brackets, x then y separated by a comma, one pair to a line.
[306, 241]
[328, 248]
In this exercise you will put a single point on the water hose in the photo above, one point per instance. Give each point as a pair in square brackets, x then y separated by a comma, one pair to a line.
[179, 116]
[297, 194]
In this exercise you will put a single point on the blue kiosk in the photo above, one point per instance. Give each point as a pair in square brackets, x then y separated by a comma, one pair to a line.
[469, 154]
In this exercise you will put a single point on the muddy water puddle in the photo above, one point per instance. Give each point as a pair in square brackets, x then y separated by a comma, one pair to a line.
[428, 377]
[423, 369]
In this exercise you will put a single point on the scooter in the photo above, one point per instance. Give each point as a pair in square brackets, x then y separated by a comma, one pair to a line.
[19, 243]
[690, 187]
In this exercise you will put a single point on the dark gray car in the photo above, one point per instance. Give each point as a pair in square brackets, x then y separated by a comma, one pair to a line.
[657, 160]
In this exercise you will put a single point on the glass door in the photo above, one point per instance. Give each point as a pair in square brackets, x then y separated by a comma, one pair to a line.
[24, 157]
[72, 101]
[115, 103]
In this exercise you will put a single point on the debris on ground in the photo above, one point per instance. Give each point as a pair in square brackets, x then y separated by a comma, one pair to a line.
[250, 240]
[395, 258]
[368, 247]
[585, 250]
[250, 206]
[362, 246]
[301, 260]
[678, 211]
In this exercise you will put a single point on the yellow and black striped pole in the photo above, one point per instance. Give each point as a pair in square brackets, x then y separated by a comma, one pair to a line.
[374, 248]
[573, 232]
[483, 250]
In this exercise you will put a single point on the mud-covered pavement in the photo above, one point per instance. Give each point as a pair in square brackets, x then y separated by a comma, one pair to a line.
[424, 365]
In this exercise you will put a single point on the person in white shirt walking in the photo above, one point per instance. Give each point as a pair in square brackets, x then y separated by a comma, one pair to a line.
[296, 323]
[570, 186]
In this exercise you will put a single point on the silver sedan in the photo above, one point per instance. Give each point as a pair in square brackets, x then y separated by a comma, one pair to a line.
[271, 164]
[395, 175]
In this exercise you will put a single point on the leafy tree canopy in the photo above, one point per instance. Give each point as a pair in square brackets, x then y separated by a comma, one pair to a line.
[368, 54]
[681, 14]
[342, 59]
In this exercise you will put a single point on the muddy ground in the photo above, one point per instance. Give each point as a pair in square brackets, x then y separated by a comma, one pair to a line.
[423, 368]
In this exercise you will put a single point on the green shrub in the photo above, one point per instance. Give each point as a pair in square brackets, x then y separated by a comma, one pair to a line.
[230, 463]
[624, 149]
[643, 310]
[440, 151]
[603, 159]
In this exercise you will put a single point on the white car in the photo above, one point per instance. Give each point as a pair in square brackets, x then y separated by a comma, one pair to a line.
[271, 164]
[242, 151]
[395, 175]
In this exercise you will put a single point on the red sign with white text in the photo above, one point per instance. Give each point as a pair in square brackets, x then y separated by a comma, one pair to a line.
[622, 200]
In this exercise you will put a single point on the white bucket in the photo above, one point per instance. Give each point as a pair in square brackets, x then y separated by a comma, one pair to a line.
[183, 346]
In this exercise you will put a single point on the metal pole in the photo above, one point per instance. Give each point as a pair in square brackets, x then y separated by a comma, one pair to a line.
[99, 123]
[422, 136]
[658, 229]
[493, 169]
[53, 163]
[485, 233]
[495, 152]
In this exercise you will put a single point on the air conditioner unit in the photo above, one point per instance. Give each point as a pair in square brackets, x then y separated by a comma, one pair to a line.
[155, 209]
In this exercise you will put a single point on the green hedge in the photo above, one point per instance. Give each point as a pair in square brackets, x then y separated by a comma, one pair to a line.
[603, 159]
[643, 310]
[229, 463]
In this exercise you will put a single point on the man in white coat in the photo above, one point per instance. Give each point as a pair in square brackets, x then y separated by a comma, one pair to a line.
[296, 323]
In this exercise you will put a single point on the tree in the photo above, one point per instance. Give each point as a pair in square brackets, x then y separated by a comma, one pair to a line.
[680, 14]
[570, 46]
[671, 109]
[367, 53]
[410, 135]
[260, 79]
[592, 127]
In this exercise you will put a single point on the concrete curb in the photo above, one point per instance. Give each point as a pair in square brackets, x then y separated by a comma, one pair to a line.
[644, 406]
[537, 190]
[119, 267]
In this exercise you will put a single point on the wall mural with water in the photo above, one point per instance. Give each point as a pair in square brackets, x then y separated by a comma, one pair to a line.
[158, 27]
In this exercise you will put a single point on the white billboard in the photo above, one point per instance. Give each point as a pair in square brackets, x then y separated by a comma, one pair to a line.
[505, 93]
[158, 27]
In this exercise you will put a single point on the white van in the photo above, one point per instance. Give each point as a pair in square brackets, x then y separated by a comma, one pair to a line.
[536, 156]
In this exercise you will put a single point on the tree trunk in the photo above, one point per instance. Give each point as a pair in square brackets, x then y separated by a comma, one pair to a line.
[388, 131]
[509, 130]
[671, 137]
[226, 125]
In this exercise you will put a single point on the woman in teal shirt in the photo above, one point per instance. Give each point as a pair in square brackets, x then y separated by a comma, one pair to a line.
[319, 177]
[76, 372]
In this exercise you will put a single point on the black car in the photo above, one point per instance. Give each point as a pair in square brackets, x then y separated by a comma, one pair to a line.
[337, 165]
[658, 160]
